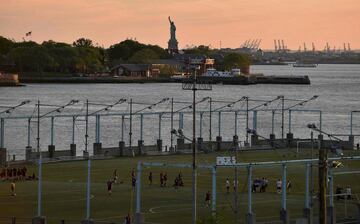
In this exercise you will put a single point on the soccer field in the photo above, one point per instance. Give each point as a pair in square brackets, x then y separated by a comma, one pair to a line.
[64, 190]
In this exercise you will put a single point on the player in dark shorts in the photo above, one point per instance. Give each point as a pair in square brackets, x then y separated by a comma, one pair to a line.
[161, 179]
[133, 182]
[150, 178]
[128, 219]
[109, 186]
[207, 199]
[165, 179]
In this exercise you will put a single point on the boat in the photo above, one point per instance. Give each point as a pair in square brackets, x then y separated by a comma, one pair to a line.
[214, 73]
[304, 65]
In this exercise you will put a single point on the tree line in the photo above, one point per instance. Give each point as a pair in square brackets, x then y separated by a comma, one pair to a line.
[83, 56]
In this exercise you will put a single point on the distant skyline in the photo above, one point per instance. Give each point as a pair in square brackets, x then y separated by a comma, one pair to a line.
[206, 22]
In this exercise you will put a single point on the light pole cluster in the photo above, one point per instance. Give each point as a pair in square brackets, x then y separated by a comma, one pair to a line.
[6, 110]
[106, 107]
[323, 175]
[58, 109]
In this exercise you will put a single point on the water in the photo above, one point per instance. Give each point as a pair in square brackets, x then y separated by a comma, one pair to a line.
[337, 85]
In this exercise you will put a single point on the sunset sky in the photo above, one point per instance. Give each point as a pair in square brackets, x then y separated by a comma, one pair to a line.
[198, 21]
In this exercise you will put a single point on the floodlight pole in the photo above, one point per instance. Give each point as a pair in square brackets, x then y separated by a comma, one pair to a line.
[172, 125]
[194, 88]
[86, 126]
[322, 184]
[282, 116]
[130, 131]
[39, 160]
[210, 121]
[247, 119]
[194, 153]
[87, 155]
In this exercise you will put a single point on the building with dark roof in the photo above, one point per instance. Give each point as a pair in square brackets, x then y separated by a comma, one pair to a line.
[134, 70]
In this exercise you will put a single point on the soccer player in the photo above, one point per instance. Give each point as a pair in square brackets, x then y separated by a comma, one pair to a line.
[227, 185]
[278, 186]
[235, 183]
[161, 179]
[165, 179]
[288, 186]
[109, 186]
[115, 176]
[127, 219]
[150, 178]
[13, 186]
[133, 182]
[207, 199]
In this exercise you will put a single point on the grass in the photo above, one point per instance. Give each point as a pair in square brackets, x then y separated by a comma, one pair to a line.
[64, 190]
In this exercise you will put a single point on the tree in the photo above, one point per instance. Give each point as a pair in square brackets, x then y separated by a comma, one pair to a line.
[34, 58]
[199, 50]
[125, 51]
[64, 55]
[235, 60]
[5, 45]
[143, 56]
[83, 42]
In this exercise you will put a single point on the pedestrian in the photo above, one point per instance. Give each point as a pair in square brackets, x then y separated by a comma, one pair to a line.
[278, 186]
[150, 178]
[207, 199]
[289, 186]
[109, 186]
[227, 185]
[13, 186]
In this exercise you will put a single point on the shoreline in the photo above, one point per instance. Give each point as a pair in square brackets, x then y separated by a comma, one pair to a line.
[241, 80]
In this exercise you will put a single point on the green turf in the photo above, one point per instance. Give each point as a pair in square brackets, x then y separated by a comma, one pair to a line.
[64, 190]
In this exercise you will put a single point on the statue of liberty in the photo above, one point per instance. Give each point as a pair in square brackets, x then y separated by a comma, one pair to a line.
[172, 29]
[173, 43]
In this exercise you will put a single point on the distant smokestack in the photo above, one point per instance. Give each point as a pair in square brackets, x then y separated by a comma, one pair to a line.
[344, 47]
[304, 47]
[349, 49]
[313, 46]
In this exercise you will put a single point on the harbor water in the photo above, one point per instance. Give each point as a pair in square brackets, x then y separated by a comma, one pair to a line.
[338, 88]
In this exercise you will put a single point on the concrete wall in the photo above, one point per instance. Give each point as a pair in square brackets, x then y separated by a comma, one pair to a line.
[292, 142]
[31, 154]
